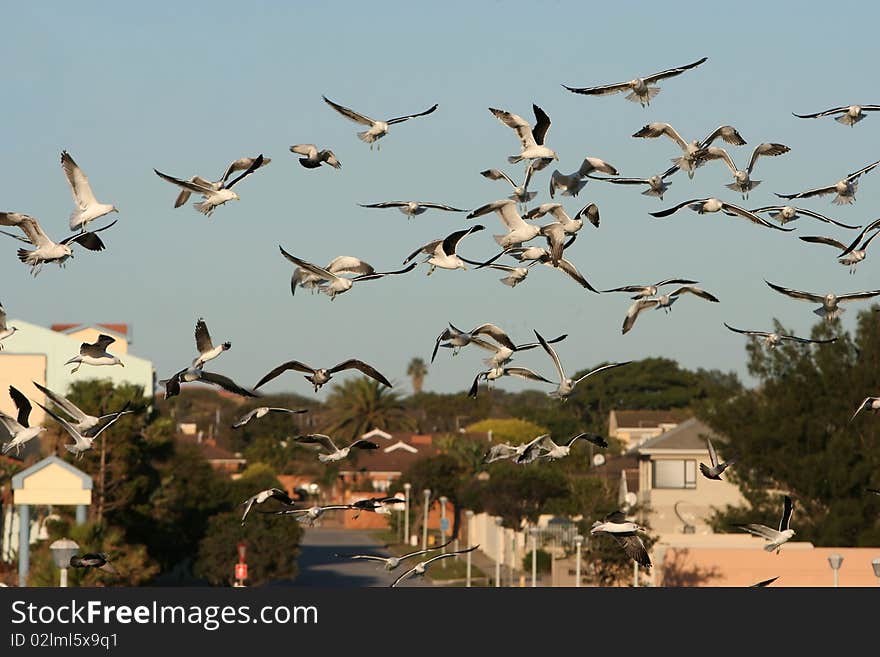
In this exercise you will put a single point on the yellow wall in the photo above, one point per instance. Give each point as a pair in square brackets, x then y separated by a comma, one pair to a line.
[20, 370]
[52, 485]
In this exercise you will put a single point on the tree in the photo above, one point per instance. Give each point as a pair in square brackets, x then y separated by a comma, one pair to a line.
[443, 474]
[417, 370]
[359, 405]
[508, 430]
[517, 493]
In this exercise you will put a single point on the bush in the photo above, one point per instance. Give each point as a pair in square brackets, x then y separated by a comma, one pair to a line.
[544, 561]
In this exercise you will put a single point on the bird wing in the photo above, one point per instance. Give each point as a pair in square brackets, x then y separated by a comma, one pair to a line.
[525, 373]
[78, 181]
[244, 419]
[430, 247]
[256, 164]
[761, 334]
[766, 582]
[672, 72]
[496, 334]
[191, 185]
[807, 340]
[823, 240]
[627, 288]
[2, 318]
[349, 113]
[450, 243]
[796, 294]
[62, 402]
[318, 438]
[689, 289]
[475, 386]
[552, 353]
[726, 132]
[572, 271]
[601, 369]
[766, 148]
[676, 208]
[98, 348]
[873, 225]
[729, 208]
[542, 124]
[440, 206]
[22, 404]
[855, 296]
[622, 181]
[363, 443]
[29, 225]
[760, 530]
[834, 110]
[820, 217]
[289, 365]
[354, 364]
[64, 424]
[596, 439]
[633, 313]
[401, 119]
[654, 130]
[403, 576]
[89, 239]
[675, 281]
[304, 149]
[590, 212]
[595, 164]
[499, 452]
[107, 424]
[866, 169]
[713, 456]
[717, 153]
[226, 383]
[520, 125]
[418, 552]
[242, 164]
[384, 204]
[368, 557]
[819, 191]
[381, 274]
[203, 337]
[349, 265]
[320, 272]
[787, 508]
[602, 90]
[634, 548]
[496, 174]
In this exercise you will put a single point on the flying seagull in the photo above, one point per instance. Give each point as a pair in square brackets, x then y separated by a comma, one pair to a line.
[664, 301]
[776, 537]
[213, 196]
[47, 250]
[503, 451]
[263, 496]
[874, 225]
[521, 193]
[785, 213]
[380, 505]
[717, 467]
[82, 441]
[766, 582]
[456, 338]
[566, 386]
[657, 185]
[573, 183]
[320, 376]
[545, 448]
[313, 158]
[498, 371]
[310, 515]
[422, 566]
[774, 339]
[845, 188]
[641, 90]
[643, 291]
[339, 265]
[193, 374]
[849, 114]
[625, 533]
[868, 404]
[742, 181]
[560, 230]
[392, 562]
[5, 331]
[830, 302]
[262, 411]
[83, 422]
[544, 257]
[441, 253]
[853, 255]
[333, 283]
[241, 164]
[412, 208]
[87, 206]
[331, 452]
[531, 138]
[18, 428]
[93, 560]
[377, 129]
[692, 151]
[95, 353]
[518, 231]
[206, 348]
[704, 205]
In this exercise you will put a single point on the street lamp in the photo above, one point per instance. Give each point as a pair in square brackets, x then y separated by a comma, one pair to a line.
[578, 541]
[406, 488]
[427, 493]
[835, 561]
[62, 550]
[470, 516]
[443, 521]
[875, 564]
[500, 555]
[533, 532]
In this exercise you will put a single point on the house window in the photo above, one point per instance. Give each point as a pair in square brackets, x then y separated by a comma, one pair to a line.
[674, 473]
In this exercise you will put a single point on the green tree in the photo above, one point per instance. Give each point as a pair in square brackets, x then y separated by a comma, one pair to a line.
[417, 370]
[507, 430]
[359, 405]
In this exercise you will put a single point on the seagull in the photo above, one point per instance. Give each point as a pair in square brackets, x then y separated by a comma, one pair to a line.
[82, 441]
[381, 505]
[564, 226]
[207, 350]
[640, 89]
[849, 115]
[704, 205]
[776, 537]
[83, 422]
[868, 404]
[47, 250]
[543, 256]
[193, 374]
[845, 188]
[332, 283]
[422, 566]
[503, 451]
[664, 301]
[693, 150]
[7, 331]
[520, 192]
[263, 496]
[566, 385]
[310, 515]
[657, 185]
[717, 468]
[830, 308]
[315, 158]
[741, 179]
[853, 256]
[531, 139]
[392, 562]
[95, 354]
[625, 533]
[552, 451]
[499, 371]
[378, 129]
[774, 339]
[644, 291]
[518, 231]
[514, 275]
[214, 196]
[18, 428]
[851, 249]
[241, 164]
[334, 453]
[573, 183]
[93, 560]
[318, 377]
[412, 208]
[87, 206]
[262, 411]
[441, 253]
[456, 338]
[785, 213]
[339, 265]
[763, 583]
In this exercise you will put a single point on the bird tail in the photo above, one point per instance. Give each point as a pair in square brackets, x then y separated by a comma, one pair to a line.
[499, 239]
[510, 280]
[23, 254]
[309, 164]
[704, 469]
[366, 136]
[6, 447]
[205, 207]
[652, 192]
[645, 98]
[829, 315]
[75, 359]
[71, 448]
[846, 119]
[514, 159]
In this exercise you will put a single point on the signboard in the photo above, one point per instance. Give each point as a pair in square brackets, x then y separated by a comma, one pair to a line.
[444, 525]
[241, 571]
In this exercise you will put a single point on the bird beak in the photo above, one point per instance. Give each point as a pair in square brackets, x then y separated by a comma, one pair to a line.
[115, 209]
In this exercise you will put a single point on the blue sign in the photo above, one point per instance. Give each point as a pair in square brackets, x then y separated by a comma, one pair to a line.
[444, 525]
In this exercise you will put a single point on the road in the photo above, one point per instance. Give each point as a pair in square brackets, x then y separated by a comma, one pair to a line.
[320, 568]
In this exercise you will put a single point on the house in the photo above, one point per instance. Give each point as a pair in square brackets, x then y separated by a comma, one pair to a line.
[220, 458]
[376, 470]
[633, 427]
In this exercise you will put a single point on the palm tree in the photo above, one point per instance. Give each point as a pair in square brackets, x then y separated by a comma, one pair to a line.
[417, 370]
[359, 405]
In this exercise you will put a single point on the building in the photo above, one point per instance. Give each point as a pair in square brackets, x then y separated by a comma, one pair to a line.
[376, 470]
[219, 458]
[632, 428]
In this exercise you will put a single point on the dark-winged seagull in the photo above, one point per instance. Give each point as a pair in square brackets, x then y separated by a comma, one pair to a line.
[422, 566]
[776, 537]
[377, 129]
[849, 114]
[844, 189]
[772, 339]
[830, 302]
[664, 301]
[193, 374]
[18, 428]
[313, 158]
[205, 346]
[214, 196]
[319, 376]
[82, 441]
[441, 253]
[625, 533]
[263, 411]
[93, 560]
[531, 138]
[704, 205]
[785, 213]
[412, 208]
[263, 496]
[241, 164]
[95, 353]
[83, 422]
[714, 470]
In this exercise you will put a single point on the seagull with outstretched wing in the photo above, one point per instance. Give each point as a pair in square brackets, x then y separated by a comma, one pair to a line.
[830, 302]
[264, 496]
[776, 536]
[313, 158]
[422, 566]
[772, 339]
[332, 283]
[88, 208]
[330, 452]
[392, 562]
[844, 189]
[531, 138]
[625, 532]
[566, 386]
[377, 129]
[849, 114]
[785, 213]
[263, 411]
[441, 253]
[412, 208]
[716, 467]
[319, 376]
[214, 195]
[704, 205]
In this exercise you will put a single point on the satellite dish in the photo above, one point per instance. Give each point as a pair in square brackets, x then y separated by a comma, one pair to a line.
[599, 459]
[631, 499]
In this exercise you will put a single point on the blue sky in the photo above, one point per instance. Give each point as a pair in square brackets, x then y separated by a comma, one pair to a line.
[186, 89]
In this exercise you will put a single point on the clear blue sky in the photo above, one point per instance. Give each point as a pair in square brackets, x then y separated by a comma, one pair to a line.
[186, 88]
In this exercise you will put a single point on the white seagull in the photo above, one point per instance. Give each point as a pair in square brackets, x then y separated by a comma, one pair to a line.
[574, 182]
[441, 253]
[650, 290]
[531, 139]
[95, 354]
[241, 164]
[566, 386]
[193, 374]
[18, 428]
[330, 452]
[868, 404]
[332, 283]
[313, 158]
[83, 422]
[742, 181]
[844, 189]
[264, 496]
[657, 185]
[213, 196]
[422, 566]
[377, 129]
[206, 348]
[7, 331]
[773, 339]
[263, 411]
[319, 376]
[456, 338]
[853, 255]
[717, 467]
[498, 371]
[87, 206]
[310, 515]
[518, 231]
[625, 533]
[704, 205]
[785, 213]
[412, 208]
[641, 90]
[521, 193]
[849, 114]
[339, 265]
[776, 537]
[664, 301]
[564, 226]
[503, 451]
[830, 308]
[392, 562]
[82, 441]
[692, 151]
[543, 447]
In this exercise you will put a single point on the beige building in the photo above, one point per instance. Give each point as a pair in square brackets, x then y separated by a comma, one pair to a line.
[632, 428]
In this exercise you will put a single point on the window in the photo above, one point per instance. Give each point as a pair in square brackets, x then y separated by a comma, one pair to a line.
[674, 473]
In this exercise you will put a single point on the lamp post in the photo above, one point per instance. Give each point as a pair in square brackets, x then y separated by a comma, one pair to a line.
[62, 550]
[500, 554]
[427, 493]
[443, 500]
[835, 561]
[533, 532]
[470, 516]
[875, 564]
[406, 488]
[578, 541]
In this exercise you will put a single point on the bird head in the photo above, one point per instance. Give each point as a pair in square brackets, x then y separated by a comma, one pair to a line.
[67, 250]
[235, 197]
